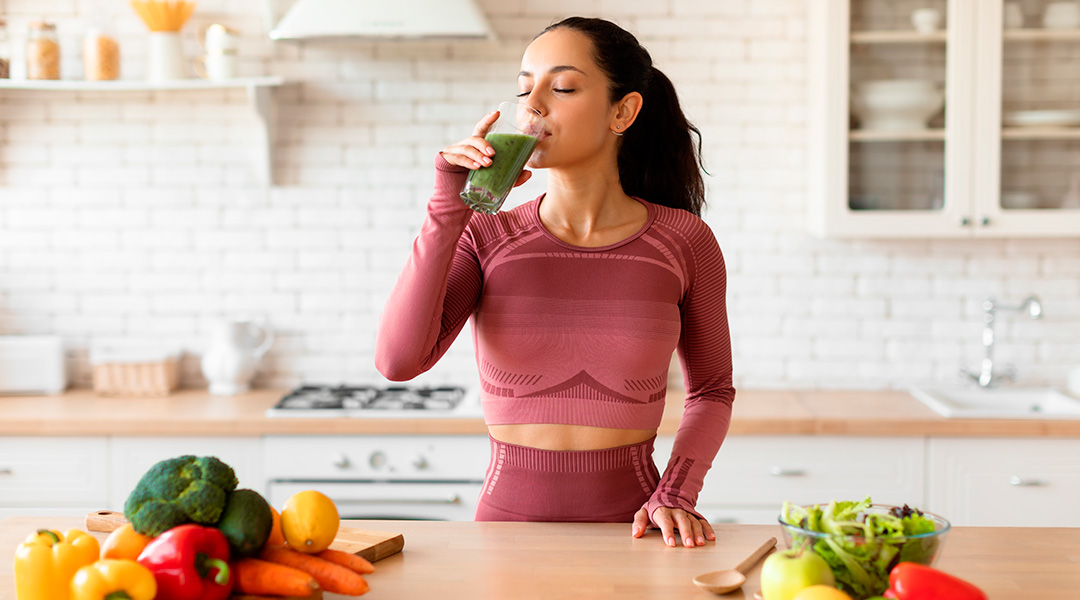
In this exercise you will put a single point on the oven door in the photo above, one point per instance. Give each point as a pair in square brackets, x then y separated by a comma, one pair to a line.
[425, 501]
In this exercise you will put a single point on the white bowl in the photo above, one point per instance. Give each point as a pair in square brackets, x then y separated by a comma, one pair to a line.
[896, 104]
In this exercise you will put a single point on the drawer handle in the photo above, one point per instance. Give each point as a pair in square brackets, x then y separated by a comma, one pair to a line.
[6, 471]
[454, 499]
[782, 472]
[1021, 482]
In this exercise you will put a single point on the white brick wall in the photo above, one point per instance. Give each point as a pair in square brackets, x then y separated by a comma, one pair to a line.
[134, 215]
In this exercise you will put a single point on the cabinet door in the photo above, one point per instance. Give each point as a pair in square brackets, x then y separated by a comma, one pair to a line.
[1005, 482]
[45, 473]
[1027, 140]
[132, 456]
[755, 473]
[890, 133]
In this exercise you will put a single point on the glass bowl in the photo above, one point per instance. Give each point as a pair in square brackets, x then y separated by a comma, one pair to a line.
[860, 564]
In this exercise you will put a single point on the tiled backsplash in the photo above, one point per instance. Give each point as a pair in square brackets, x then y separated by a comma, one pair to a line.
[137, 214]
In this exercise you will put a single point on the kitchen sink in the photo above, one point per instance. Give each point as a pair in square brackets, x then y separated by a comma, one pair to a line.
[998, 403]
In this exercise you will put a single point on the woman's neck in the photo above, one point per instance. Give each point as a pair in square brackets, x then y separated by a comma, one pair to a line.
[586, 206]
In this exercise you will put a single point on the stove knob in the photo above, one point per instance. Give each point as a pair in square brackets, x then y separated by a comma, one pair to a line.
[420, 463]
[341, 461]
[377, 460]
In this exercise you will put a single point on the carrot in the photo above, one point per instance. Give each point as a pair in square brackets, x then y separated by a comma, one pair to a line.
[259, 577]
[352, 562]
[332, 578]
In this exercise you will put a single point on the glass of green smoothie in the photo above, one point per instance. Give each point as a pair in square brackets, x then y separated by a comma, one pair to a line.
[513, 136]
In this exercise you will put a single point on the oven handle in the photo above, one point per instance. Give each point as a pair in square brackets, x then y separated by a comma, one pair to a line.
[454, 499]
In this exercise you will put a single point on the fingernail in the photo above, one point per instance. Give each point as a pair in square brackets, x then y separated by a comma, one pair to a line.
[689, 542]
[489, 151]
[487, 161]
[637, 531]
[671, 541]
[700, 541]
[476, 164]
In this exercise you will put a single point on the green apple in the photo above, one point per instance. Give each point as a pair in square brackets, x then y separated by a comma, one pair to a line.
[787, 572]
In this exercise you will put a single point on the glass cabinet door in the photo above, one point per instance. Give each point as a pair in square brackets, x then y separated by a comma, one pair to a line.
[1040, 106]
[897, 86]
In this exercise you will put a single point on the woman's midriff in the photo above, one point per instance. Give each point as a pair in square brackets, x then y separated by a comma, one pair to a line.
[552, 436]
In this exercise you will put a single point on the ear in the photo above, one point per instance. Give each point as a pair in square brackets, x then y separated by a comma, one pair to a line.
[626, 112]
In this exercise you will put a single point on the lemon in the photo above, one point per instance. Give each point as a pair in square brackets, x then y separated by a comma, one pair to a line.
[309, 521]
[821, 592]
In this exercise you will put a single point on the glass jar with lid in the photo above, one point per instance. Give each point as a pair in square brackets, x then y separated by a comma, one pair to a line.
[5, 51]
[42, 51]
[101, 55]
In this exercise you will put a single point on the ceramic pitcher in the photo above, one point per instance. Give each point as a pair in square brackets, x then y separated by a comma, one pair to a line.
[236, 345]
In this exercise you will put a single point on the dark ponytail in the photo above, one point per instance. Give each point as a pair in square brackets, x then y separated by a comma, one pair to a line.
[658, 160]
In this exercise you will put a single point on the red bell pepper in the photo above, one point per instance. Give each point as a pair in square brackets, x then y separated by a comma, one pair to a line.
[911, 581]
[189, 562]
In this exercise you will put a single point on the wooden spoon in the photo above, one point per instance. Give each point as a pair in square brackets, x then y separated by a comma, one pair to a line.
[729, 580]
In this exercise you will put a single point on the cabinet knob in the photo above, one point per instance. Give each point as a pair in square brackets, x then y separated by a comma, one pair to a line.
[782, 472]
[1022, 482]
[420, 463]
[6, 471]
[985, 221]
[341, 461]
[377, 460]
[964, 221]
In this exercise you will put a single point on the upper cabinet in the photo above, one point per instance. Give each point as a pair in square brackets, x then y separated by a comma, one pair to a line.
[944, 118]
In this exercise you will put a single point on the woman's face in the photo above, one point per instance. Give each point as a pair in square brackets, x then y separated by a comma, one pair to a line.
[559, 79]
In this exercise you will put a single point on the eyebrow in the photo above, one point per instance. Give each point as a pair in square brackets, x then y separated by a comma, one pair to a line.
[558, 69]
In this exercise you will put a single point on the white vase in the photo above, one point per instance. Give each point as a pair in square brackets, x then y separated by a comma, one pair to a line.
[166, 57]
[236, 346]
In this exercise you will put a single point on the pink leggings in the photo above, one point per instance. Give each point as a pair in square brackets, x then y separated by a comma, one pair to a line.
[603, 486]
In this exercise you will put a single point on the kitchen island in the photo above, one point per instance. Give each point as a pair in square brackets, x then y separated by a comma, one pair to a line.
[522, 561]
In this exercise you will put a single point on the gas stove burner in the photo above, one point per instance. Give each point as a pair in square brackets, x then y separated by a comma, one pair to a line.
[356, 400]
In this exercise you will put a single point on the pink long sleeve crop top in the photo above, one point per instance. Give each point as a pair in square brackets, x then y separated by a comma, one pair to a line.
[567, 334]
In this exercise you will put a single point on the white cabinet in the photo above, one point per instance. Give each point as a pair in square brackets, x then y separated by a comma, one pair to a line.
[46, 475]
[130, 457]
[1005, 482]
[997, 159]
[752, 476]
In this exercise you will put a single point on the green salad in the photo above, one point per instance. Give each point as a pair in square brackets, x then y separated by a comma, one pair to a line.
[875, 541]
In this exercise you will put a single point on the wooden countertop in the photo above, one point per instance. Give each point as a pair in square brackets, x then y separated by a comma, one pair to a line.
[524, 561]
[757, 412]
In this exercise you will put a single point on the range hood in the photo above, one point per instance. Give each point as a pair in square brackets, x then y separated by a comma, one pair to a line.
[401, 19]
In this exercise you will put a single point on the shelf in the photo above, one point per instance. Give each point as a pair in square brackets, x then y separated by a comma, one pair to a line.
[135, 85]
[1040, 133]
[923, 135]
[1032, 34]
[898, 37]
[259, 91]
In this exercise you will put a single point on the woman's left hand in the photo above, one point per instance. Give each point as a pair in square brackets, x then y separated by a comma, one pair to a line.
[694, 531]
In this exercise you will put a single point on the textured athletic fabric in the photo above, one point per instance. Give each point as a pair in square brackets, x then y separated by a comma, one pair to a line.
[599, 486]
[571, 335]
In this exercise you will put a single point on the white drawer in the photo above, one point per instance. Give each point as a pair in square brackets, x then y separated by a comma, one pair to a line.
[764, 471]
[1006, 482]
[376, 458]
[743, 515]
[133, 456]
[53, 472]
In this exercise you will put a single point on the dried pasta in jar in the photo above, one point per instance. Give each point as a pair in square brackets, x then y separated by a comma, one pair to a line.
[101, 57]
[42, 52]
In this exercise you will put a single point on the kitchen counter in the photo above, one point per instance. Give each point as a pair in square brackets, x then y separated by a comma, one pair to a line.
[474, 561]
[757, 412]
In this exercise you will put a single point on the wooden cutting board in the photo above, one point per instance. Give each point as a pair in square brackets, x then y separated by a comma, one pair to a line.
[372, 545]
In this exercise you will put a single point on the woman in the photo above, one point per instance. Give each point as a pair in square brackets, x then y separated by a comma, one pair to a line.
[580, 297]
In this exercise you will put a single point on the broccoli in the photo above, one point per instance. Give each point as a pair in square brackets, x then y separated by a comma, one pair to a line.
[177, 491]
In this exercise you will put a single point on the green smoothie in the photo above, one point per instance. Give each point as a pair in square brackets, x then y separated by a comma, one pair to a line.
[487, 188]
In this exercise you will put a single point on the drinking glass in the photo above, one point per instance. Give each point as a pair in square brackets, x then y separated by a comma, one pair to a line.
[514, 136]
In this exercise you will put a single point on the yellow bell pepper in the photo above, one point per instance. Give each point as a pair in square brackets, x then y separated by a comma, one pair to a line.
[113, 579]
[47, 560]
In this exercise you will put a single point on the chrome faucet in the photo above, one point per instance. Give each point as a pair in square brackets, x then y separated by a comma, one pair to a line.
[986, 377]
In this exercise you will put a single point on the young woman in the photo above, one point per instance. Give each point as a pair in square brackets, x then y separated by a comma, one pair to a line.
[580, 297]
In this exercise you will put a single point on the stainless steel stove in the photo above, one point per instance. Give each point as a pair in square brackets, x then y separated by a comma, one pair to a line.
[367, 401]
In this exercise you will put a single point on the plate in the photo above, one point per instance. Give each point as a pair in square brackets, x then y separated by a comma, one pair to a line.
[1042, 118]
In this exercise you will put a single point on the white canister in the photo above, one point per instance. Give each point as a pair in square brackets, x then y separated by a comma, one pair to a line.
[166, 60]
[1061, 15]
[220, 44]
[236, 347]
[926, 20]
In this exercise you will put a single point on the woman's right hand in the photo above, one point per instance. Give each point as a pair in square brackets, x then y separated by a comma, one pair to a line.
[474, 152]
